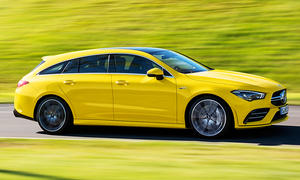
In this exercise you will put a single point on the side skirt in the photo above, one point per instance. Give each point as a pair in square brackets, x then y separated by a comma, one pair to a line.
[129, 124]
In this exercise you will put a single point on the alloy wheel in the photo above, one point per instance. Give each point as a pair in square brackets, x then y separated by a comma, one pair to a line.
[52, 115]
[208, 117]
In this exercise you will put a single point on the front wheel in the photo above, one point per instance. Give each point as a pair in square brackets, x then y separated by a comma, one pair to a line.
[210, 117]
[53, 115]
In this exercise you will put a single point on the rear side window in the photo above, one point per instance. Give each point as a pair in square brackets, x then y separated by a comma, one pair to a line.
[91, 64]
[72, 66]
[55, 69]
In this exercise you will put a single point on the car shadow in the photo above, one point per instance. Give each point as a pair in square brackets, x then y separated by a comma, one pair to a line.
[268, 136]
[31, 175]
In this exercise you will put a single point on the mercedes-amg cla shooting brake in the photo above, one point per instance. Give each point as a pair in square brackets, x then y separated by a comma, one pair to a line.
[145, 87]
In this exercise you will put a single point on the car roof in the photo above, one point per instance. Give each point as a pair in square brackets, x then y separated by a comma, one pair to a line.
[147, 50]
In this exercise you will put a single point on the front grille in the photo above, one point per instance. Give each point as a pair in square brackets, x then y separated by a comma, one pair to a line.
[256, 115]
[278, 116]
[279, 98]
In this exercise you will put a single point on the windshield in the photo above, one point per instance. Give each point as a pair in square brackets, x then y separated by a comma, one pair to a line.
[179, 62]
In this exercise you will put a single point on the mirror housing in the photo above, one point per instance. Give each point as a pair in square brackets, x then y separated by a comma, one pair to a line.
[155, 72]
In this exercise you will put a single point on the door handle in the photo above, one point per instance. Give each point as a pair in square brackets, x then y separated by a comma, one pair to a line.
[69, 82]
[121, 82]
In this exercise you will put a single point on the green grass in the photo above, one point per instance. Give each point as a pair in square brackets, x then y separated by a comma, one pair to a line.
[255, 36]
[294, 98]
[119, 159]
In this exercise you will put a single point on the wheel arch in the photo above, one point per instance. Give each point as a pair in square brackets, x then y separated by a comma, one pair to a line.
[51, 95]
[194, 99]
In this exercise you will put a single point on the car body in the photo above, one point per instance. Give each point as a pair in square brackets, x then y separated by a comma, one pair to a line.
[107, 87]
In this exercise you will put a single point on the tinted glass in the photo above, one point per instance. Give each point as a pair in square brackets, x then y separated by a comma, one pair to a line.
[178, 62]
[55, 69]
[72, 66]
[90, 64]
[133, 64]
[166, 73]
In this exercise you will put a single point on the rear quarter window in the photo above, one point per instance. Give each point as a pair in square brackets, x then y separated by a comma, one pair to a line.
[55, 69]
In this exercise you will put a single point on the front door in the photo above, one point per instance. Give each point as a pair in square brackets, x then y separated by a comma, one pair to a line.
[139, 98]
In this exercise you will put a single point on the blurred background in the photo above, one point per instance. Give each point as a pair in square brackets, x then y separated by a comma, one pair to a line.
[253, 36]
[261, 37]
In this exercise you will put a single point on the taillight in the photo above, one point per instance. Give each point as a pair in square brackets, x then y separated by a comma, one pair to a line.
[22, 83]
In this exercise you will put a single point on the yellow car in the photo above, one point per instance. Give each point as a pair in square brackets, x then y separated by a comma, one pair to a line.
[145, 87]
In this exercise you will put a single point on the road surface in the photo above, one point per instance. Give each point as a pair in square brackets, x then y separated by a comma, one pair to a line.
[285, 133]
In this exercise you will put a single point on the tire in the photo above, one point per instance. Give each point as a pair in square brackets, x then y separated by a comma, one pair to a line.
[54, 115]
[211, 117]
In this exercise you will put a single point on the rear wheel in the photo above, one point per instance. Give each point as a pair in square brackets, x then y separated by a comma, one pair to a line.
[53, 115]
[210, 117]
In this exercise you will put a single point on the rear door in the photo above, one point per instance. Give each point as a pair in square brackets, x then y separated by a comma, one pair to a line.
[88, 87]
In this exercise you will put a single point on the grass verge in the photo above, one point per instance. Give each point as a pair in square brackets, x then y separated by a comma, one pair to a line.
[119, 159]
[294, 98]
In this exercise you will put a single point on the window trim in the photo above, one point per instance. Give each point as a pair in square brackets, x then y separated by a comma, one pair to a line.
[109, 58]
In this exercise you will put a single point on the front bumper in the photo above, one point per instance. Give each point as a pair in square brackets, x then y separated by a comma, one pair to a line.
[273, 117]
[264, 111]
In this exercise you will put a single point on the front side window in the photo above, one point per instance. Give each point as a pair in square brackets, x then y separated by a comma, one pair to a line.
[55, 69]
[178, 61]
[133, 64]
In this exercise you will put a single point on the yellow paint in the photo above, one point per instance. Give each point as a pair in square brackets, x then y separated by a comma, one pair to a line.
[139, 100]
[155, 71]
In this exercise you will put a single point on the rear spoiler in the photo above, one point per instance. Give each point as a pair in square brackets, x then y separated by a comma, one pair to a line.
[45, 58]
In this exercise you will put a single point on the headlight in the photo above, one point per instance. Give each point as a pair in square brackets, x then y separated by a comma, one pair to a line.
[249, 95]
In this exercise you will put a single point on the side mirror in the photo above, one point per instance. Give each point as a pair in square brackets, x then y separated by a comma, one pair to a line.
[155, 72]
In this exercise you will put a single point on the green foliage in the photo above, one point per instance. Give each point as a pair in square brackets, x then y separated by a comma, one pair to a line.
[119, 159]
[254, 36]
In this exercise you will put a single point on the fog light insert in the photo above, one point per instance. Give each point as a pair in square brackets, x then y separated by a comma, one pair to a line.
[256, 115]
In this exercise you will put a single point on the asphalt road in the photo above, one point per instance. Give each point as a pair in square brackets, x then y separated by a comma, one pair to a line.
[285, 133]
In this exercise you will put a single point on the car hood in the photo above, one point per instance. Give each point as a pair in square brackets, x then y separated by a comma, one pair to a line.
[242, 80]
